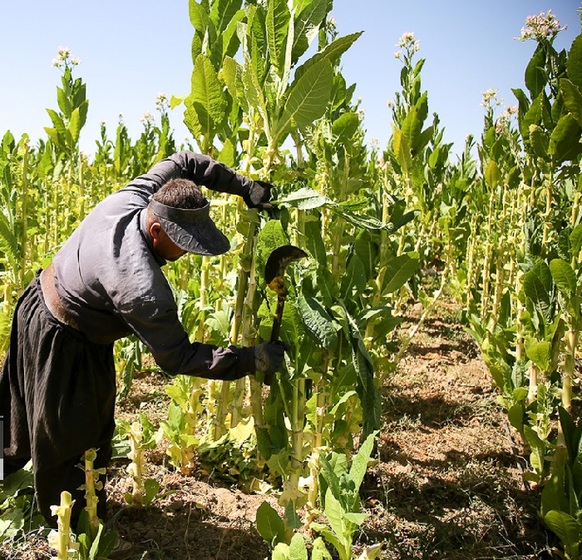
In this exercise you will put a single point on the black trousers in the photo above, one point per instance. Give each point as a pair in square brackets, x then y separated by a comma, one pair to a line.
[57, 397]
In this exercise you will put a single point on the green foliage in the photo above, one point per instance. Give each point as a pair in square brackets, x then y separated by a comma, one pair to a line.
[98, 547]
[17, 511]
[340, 497]
[500, 228]
[561, 506]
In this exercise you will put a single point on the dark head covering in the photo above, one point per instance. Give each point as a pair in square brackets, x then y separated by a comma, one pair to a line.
[191, 229]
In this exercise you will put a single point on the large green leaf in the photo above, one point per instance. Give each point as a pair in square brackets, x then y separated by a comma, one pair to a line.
[345, 126]
[222, 13]
[335, 515]
[401, 148]
[538, 285]
[492, 175]
[297, 548]
[539, 141]
[319, 551]
[361, 220]
[253, 91]
[565, 527]
[398, 271]
[206, 98]
[307, 24]
[57, 121]
[199, 16]
[308, 98]
[63, 101]
[305, 199]
[359, 464]
[8, 241]
[269, 524]
[278, 17]
[413, 122]
[540, 353]
[574, 64]
[331, 53]
[367, 389]
[572, 99]
[565, 139]
[564, 277]
[535, 75]
[75, 125]
[318, 321]
[576, 240]
[354, 280]
[531, 116]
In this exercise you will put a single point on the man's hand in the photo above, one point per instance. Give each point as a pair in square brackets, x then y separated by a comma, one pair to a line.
[269, 357]
[259, 196]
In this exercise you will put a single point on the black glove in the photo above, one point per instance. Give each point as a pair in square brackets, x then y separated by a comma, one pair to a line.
[269, 357]
[259, 195]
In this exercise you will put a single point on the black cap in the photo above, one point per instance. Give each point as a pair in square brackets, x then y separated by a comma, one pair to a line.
[191, 229]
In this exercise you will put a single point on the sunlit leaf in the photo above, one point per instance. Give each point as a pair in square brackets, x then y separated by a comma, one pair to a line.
[572, 99]
[399, 270]
[564, 277]
[308, 97]
[565, 526]
[307, 24]
[574, 64]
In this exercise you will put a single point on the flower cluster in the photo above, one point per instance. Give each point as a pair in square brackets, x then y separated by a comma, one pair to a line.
[490, 98]
[162, 102]
[65, 58]
[544, 27]
[407, 42]
[503, 123]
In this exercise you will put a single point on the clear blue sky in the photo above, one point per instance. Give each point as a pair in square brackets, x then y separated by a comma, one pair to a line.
[132, 50]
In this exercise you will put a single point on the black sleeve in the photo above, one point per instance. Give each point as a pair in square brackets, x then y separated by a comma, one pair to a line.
[205, 171]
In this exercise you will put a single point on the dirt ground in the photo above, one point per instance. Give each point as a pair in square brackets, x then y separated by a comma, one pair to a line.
[447, 483]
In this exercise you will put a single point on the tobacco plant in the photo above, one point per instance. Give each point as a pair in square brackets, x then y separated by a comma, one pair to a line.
[528, 322]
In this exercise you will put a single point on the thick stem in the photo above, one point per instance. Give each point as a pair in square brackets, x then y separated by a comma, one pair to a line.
[91, 484]
[64, 525]
[203, 302]
[532, 392]
[569, 368]
[136, 466]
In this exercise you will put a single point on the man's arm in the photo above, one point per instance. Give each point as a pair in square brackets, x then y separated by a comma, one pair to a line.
[203, 170]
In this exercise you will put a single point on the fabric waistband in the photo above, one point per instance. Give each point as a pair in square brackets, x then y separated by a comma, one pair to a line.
[53, 300]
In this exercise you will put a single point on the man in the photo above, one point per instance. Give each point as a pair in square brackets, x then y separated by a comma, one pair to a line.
[57, 387]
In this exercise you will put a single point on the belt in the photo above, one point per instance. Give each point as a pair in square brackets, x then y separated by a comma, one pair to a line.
[53, 300]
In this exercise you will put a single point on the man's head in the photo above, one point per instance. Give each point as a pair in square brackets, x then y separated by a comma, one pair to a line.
[178, 222]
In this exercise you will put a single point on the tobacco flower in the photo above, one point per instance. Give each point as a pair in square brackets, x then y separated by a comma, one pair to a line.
[543, 27]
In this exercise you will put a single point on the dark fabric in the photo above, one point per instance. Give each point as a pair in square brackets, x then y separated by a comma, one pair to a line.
[57, 397]
[110, 281]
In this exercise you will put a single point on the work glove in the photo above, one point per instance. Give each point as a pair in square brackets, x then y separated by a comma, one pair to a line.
[268, 358]
[259, 195]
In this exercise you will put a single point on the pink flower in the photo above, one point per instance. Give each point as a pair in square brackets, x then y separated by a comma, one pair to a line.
[543, 27]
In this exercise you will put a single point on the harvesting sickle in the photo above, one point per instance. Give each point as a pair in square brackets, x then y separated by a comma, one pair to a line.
[275, 268]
